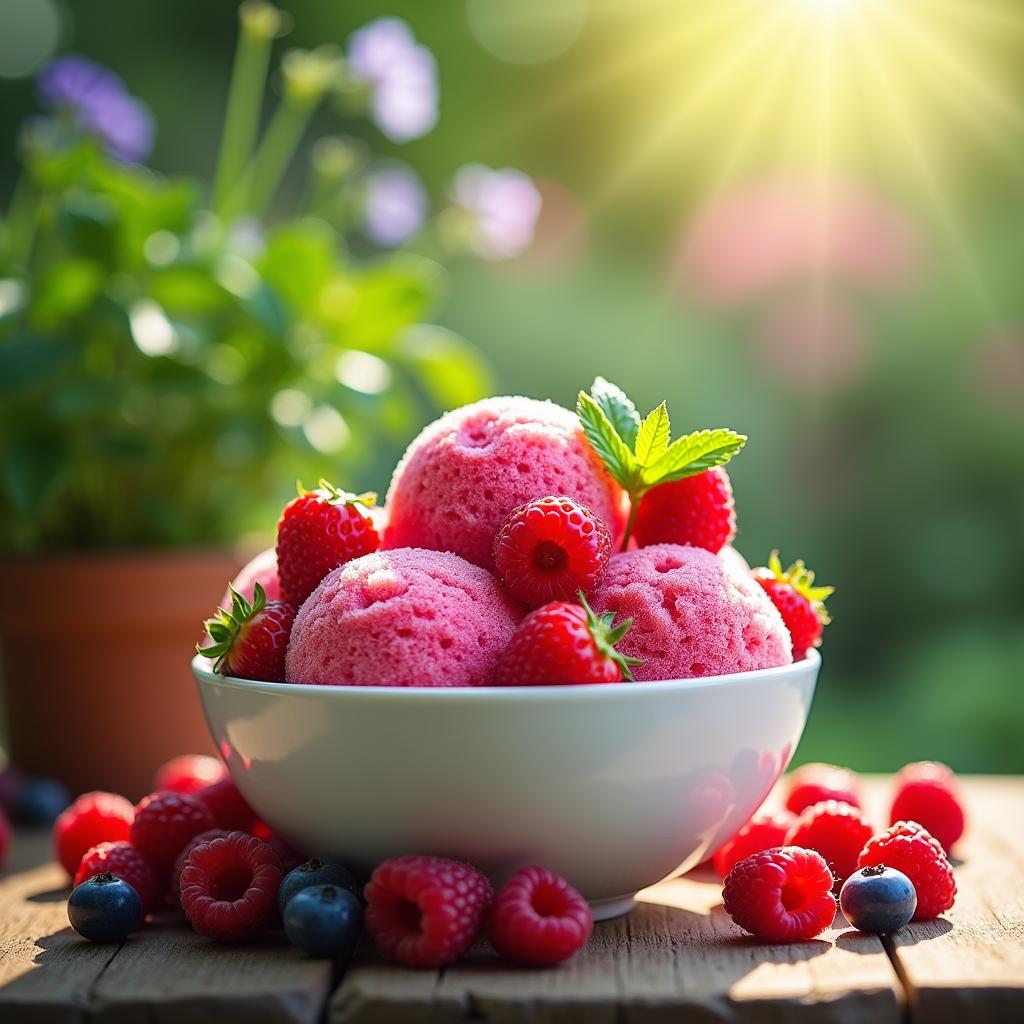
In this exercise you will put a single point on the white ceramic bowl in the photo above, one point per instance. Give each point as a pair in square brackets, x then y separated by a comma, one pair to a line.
[615, 787]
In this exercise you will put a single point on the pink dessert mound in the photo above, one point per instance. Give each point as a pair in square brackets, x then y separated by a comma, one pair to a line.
[693, 614]
[405, 617]
[733, 559]
[263, 570]
[468, 470]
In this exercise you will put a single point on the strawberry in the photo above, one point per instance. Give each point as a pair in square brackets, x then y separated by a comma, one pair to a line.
[800, 603]
[697, 510]
[250, 640]
[672, 496]
[318, 531]
[562, 642]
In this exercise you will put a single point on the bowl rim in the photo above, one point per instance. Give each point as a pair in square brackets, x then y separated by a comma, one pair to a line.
[204, 674]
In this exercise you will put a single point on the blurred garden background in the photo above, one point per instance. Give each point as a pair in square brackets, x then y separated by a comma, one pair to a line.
[803, 220]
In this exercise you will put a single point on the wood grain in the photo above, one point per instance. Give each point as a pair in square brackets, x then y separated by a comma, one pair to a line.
[678, 956]
[47, 973]
[969, 964]
[677, 953]
[167, 973]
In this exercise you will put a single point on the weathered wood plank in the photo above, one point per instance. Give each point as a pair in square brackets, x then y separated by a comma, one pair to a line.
[46, 972]
[677, 956]
[969, 965]
[677, 953]
[167, 973]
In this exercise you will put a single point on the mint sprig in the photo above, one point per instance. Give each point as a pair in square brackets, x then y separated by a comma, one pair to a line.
[640, 454]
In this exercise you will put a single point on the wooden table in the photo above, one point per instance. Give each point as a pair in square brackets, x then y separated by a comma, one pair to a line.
[677, 957]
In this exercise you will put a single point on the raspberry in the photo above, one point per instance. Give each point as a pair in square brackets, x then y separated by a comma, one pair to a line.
[425, 911]
[228, 807]
[538, 918]
[800, 603]
[909, 848]
[837, 831]
[762, 832]
[229, 887]
[189, 773]
[164, 823]
[926, 792]
[550, 549]
[123, 860]
[174, 888]
[782, 895]
[93, 818]
[814, 783]
[697, 510]
[286, 853]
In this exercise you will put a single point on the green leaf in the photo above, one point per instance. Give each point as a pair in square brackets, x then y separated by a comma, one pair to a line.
[64, 289]
[621, 412]
[605, 440]
[27, 360]
[88, 223]
[694, 453]
[31, 470]
[652, 438]
[449, 369]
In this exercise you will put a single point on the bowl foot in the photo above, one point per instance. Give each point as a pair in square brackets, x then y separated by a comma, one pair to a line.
[605, 910]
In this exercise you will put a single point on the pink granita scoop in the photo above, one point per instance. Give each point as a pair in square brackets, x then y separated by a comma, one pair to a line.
[261, 569]
[468, 470]
[694, 614]
[405, 617]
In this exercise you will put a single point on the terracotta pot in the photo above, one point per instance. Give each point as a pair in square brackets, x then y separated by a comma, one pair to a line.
[95, 662]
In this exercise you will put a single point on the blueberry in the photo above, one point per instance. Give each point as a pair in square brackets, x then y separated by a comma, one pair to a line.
[878, 899]
[39, 801]
[323, 920]
[104, 908]
[314, 872]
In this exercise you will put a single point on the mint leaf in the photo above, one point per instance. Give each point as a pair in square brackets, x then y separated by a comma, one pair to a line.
[652, 438]
[605, 441]
[621, 412]
[692, 454]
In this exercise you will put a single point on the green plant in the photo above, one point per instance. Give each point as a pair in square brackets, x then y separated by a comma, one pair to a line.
[168, 362]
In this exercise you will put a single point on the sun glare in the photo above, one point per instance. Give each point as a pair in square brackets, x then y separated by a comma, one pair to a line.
[905, 93]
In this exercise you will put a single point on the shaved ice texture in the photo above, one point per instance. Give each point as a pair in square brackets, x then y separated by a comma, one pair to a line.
[733, 559]
[693, 614]
[468, 470]
[263, 570]
[405, 617]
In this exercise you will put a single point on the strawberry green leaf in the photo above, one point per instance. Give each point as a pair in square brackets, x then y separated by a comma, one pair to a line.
[621, 412]
[692, 454]
[606, 442]
[606, 635]
[652, 438]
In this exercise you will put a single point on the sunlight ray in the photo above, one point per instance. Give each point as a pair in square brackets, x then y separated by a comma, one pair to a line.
[724, 74]
[747, 132]
[929, 179]
[937, 48]
[974, 14]
[946, 96]
[715, 17]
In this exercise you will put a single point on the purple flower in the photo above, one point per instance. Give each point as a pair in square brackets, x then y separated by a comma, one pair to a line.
[395, 205]
[98, 102]
[504, 205]
[401, 74]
